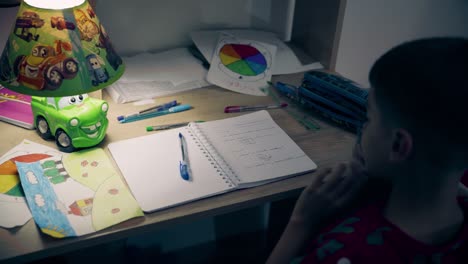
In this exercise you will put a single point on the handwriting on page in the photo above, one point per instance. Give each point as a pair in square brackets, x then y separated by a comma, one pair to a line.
[255, 143]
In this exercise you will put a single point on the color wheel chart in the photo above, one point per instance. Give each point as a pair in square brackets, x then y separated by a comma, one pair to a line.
[242, 65]
[243, 59]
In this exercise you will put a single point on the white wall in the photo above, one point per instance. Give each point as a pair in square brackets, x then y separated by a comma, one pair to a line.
[155, 25]
[371, 27]
[146, 25]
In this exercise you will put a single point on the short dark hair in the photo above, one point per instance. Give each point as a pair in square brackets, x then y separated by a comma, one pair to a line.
[424, 85]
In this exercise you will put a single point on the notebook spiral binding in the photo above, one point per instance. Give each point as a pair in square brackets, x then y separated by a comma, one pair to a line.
[222, 168]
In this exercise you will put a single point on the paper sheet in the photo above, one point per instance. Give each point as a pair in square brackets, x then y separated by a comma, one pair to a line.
[242, 65]
[15, 211]
[76, 194]
[149, 75]
[285, 61]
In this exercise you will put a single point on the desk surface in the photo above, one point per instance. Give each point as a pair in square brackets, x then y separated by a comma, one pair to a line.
[327, 147]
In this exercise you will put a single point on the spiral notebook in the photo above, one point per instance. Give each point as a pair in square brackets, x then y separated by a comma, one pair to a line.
[224, 155]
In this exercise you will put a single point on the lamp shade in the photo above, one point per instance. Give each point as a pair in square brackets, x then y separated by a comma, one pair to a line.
[58, 51]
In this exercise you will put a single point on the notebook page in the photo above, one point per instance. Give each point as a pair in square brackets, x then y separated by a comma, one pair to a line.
[256, 148]
[150, 165]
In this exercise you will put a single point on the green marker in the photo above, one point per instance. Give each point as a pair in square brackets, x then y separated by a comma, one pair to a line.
[164, 127]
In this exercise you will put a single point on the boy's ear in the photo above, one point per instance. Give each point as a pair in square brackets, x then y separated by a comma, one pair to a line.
[402, 145]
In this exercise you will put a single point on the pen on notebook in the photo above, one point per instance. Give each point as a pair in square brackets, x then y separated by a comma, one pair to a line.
[174, 109]
[184, 164]
[151, 109]
[234, 109]
[169, 126]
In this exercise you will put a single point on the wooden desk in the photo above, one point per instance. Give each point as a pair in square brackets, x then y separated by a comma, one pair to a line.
[326, 147]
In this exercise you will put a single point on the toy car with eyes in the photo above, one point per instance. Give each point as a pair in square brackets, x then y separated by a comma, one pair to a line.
[75, 121]
[46, 67]
[97, 72]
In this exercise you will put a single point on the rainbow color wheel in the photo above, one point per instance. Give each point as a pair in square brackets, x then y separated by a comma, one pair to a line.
[243, 59]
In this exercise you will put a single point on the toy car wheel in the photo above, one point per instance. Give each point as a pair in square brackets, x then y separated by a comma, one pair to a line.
[54, 79]
[63, 141]
[42, 128]
[29, 37]
[71, 67]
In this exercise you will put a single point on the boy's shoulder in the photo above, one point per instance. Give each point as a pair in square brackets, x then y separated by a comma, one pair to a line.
[349, 235]
[365, 236]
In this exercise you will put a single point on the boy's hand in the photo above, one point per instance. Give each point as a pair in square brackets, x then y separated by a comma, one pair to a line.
[329, 191]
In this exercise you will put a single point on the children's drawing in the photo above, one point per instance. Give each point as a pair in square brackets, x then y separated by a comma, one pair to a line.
[43, 201]
[9, 180]
[242, 66]
[13, 207]
[76, 194]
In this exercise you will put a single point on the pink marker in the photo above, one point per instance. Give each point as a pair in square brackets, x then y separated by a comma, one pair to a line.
[235, 109]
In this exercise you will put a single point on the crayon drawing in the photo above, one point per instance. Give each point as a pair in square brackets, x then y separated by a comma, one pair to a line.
[13, 206]
[76, 194]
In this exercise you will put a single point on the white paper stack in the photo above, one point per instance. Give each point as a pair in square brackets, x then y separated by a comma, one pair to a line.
[149, 75]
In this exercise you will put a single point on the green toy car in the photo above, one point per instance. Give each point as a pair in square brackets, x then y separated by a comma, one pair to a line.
[75, 121]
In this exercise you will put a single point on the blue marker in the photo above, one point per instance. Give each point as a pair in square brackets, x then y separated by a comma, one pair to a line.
[184, 165]
[174, 109]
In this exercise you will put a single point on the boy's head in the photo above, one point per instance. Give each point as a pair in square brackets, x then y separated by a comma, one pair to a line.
[418, 106]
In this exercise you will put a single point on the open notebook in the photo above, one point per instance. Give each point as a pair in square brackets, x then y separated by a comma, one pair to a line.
[224, 155]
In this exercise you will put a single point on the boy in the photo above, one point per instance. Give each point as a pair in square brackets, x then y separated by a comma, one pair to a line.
[416, 141]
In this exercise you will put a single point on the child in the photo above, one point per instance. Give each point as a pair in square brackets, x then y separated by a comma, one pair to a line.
[415, 140]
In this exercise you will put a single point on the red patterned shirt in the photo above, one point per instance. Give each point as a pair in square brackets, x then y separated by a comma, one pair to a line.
[367, 237]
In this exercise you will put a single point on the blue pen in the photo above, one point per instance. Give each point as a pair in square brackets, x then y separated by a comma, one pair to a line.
[151, 109]
[184, 165]
[174, 109]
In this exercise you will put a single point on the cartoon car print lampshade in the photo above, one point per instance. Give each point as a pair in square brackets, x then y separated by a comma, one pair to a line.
[58, 51]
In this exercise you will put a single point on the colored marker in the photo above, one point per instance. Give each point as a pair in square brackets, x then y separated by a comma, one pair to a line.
[174, 109]
[151, 109]
[235, 109]
[184, 164]
[163, 127]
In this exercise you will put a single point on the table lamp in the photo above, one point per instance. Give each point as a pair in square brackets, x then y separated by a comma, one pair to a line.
[59, 49]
